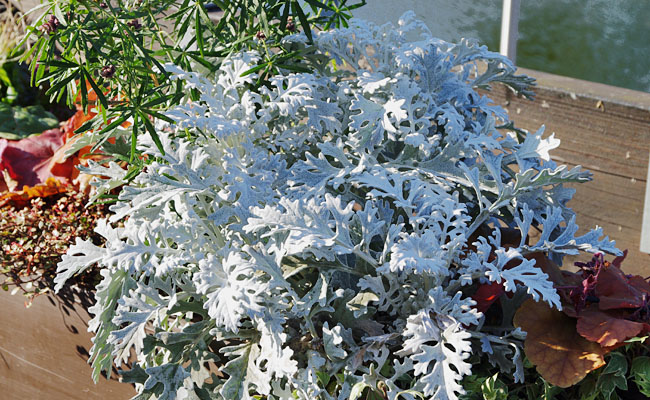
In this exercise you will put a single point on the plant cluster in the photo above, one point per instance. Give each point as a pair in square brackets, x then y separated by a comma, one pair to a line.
[593, 349]
[326, 235]
[626, 376]
[108, 49]
[36, 229]
[602, 308]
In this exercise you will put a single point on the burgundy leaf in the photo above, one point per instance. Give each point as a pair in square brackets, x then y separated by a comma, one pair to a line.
[607, 328]
[614, 290]
[487, 294]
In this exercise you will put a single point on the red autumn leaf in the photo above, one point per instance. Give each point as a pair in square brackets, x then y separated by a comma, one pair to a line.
[607, 328]
[602, 308]
[562, 357]
[639, 283]
[33, 160]
[30, 161]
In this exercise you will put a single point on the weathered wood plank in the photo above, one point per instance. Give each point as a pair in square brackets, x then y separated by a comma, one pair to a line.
[606, 130]
[43, 353]
[597, 203]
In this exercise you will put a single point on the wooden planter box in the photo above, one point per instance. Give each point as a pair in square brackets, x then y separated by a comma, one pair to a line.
[605, 129]
[44, 351]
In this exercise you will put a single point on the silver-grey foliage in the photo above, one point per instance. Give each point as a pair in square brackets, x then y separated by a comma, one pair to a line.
[324, 235]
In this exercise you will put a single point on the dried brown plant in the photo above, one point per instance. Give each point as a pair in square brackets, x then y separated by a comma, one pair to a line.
[12, 30]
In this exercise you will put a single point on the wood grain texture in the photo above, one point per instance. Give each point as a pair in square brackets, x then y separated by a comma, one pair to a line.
[43, 353]
[607, 131]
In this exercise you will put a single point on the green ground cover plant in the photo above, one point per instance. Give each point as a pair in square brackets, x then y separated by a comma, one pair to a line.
[36, 232]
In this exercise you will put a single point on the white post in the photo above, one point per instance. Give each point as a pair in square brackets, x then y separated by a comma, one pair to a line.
[510, 29]
[645, 227]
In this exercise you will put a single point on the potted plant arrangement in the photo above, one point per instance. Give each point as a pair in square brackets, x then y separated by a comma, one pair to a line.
[341, 215]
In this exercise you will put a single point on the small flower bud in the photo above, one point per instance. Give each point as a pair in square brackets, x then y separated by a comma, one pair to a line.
[102, 4]
[260, 35]
[291, 26]
[50, 25]
[107, 71]
[134, 24]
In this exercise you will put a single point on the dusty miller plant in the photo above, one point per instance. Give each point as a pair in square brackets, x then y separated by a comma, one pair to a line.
[321, 238]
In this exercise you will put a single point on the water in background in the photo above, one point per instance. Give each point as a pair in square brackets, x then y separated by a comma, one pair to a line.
[605, 41]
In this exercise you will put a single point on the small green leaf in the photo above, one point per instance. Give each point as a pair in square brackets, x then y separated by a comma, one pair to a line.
[494, 389]
[97, 90]
[198, 26]
[86, 126]
[616, 365]
[56, 87]
[84, 91]
[303, 20]
[640, 339]
[293, 67]
[356, 5]
[59, 63]
[254, 69]
[157, 101]
[640, 371]
[71, 43]
[588, 388]
[134, 136]
[158, 115]
[318, 4]
[110, 126]
[59, 15]
[152, 132]
[607, 384]
[323, 378]
[285, 14]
